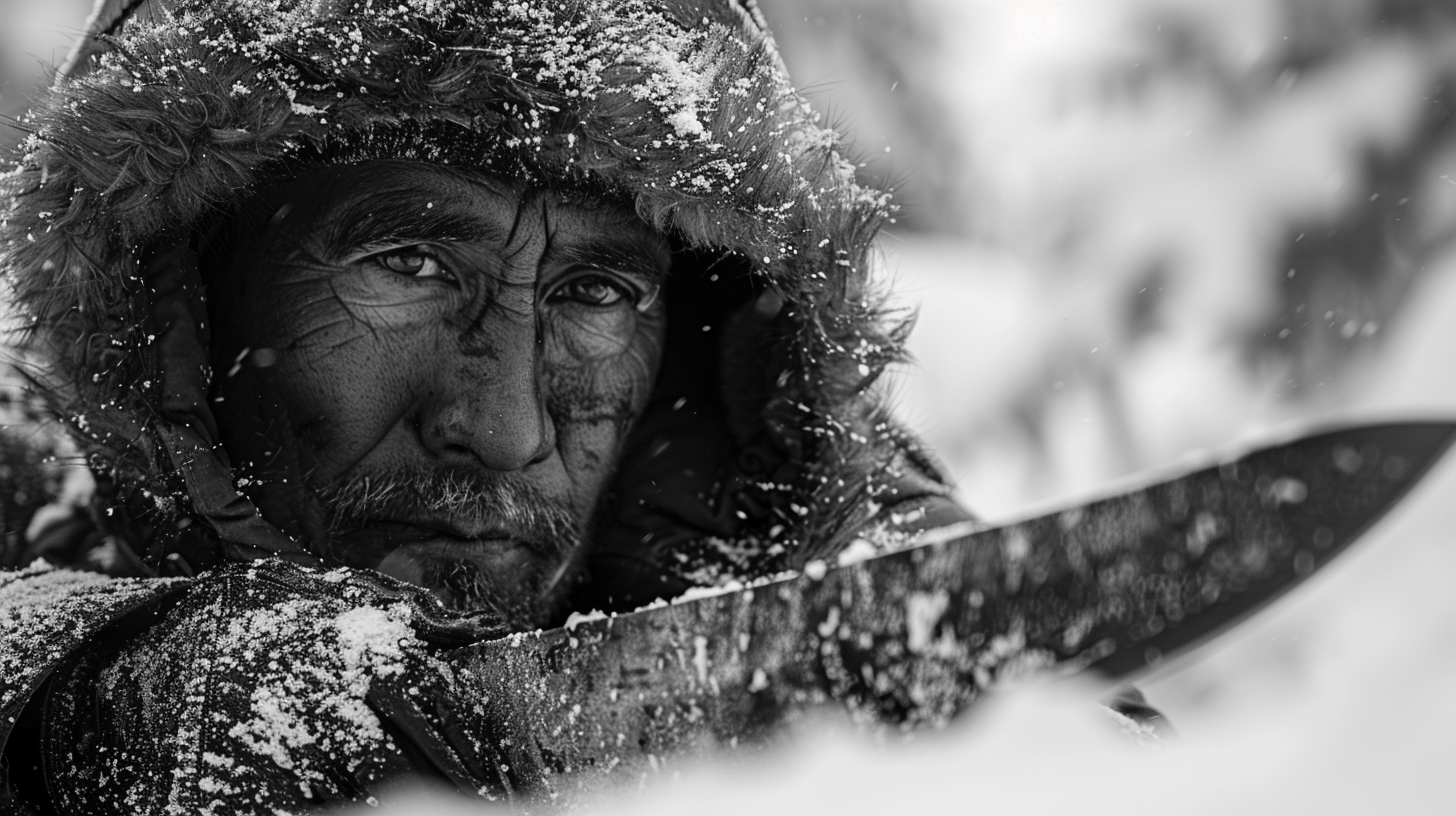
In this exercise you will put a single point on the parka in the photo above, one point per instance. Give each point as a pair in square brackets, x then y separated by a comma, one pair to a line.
[163, 648]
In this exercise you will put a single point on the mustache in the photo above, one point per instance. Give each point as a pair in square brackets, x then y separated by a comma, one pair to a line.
[464, 498]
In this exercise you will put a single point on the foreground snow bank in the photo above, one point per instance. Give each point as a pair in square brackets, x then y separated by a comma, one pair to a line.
[1052, 750]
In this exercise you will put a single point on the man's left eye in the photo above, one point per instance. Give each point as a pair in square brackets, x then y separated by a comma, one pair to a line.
[594, 290]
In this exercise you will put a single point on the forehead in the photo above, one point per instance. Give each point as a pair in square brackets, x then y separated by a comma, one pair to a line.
[404, 200]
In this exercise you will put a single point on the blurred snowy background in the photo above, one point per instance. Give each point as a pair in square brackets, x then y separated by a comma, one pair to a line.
[1136, 229]
[1140, 227]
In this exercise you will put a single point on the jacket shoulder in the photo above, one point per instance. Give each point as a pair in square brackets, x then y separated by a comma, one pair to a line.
[47, 614]
[47, 617]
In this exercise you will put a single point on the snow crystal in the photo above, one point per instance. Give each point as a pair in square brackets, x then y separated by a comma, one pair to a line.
[318, 695]
[857, 551]
[700, 592]
[278, 725]
[576, 619]
[923, 611]
[700, 658]
[370, 639]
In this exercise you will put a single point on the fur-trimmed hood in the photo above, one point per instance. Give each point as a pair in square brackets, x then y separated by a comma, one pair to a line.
[680, 107]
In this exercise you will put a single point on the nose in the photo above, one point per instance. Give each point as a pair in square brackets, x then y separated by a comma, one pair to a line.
[490, 410]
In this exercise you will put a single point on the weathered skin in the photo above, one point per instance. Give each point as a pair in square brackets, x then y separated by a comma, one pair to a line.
[487, 344]
[913, 637]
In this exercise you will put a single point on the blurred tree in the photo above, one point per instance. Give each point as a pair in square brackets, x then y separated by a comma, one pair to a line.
[1346, 277]
[1182, 180]
[34, 37]
[872, 67]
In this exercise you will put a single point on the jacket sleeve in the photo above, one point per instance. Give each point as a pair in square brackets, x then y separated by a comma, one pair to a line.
[268, 688]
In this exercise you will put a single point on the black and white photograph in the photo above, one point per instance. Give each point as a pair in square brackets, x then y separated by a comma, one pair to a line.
[715, 407]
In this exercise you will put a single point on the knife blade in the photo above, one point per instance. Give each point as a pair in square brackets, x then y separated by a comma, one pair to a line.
[913, 637]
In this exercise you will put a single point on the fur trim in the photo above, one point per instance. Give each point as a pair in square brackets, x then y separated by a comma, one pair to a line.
[680, 106]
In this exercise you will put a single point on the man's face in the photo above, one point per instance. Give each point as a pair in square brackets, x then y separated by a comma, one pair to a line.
[431, 373]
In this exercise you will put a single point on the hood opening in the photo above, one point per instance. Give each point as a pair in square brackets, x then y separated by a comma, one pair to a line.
[692, 459]
[681, 108]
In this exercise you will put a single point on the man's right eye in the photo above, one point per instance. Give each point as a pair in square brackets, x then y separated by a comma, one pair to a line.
[414, 262]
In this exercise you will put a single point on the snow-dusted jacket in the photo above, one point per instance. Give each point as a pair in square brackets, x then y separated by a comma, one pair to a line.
[175, 652]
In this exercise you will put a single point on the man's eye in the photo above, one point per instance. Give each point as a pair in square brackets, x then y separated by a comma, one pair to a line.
[414, 263]
[594, 290]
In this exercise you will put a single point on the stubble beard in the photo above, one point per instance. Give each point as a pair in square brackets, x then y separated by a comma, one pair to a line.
[528, 598]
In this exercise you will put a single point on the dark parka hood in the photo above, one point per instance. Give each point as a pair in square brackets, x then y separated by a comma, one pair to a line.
[681, 108]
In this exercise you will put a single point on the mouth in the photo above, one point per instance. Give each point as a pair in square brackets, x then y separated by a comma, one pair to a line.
[477, 544]
[389, 533]
[441, 530]
[402, 548]
[459, 565]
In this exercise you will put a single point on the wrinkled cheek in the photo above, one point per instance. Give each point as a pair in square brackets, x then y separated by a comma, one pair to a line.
[587, 337]
[594, 402]
[344, 381]
[320, 317]
[593, 374]
[589, 452]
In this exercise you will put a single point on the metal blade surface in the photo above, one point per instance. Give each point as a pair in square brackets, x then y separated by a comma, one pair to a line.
[914, 636]
[1276, 516]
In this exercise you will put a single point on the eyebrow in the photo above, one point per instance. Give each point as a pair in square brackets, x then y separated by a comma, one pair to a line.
[404, 215]
[622, 253]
